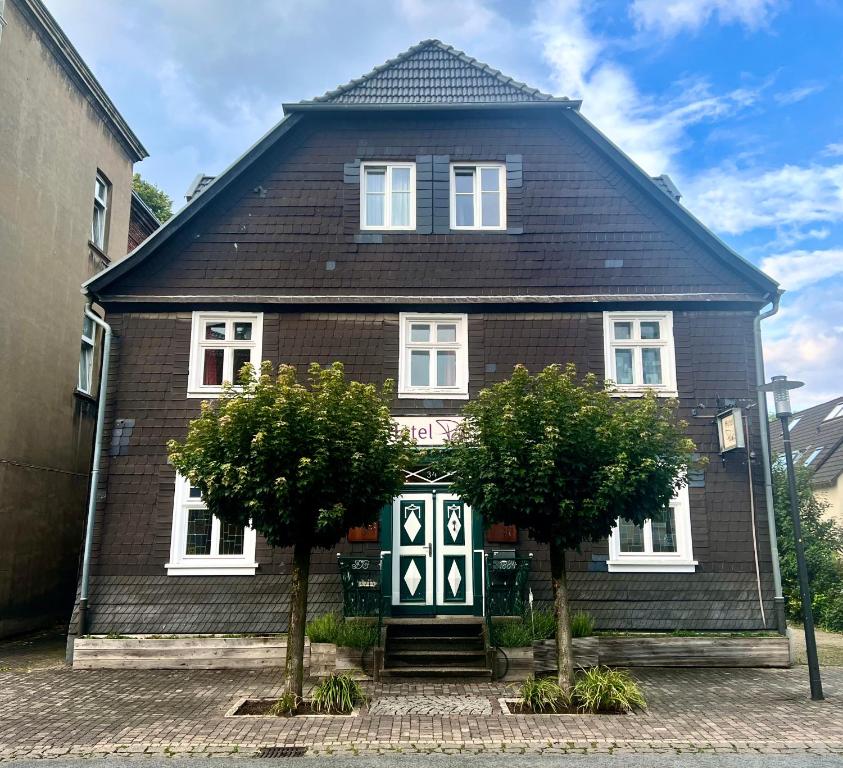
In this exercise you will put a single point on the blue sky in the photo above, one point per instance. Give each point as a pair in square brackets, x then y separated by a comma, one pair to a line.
[741, 101]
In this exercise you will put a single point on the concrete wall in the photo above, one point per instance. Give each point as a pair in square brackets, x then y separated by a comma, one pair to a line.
[53, 143]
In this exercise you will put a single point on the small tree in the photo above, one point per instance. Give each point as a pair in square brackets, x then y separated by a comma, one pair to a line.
[300, 463]
[823, 542]
[564, 459]
[159, 202]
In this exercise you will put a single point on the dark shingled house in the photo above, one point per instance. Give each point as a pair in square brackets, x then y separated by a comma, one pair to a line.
[435, 222]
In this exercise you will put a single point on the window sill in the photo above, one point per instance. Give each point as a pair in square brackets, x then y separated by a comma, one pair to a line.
[499, 230]
[641, 391]
[433, 393]
[217, 569]
[84, 396]
[652, 565]
[385, 230]
[99, 252]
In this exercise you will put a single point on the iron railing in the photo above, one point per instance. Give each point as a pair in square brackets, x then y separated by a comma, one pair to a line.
[507, 589]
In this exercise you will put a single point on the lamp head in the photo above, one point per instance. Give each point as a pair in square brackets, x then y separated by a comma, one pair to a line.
[780, 387]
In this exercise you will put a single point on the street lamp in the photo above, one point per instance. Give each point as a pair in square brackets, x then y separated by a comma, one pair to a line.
[780, 387]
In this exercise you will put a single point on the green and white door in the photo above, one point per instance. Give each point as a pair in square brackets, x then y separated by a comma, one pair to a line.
[433, 568]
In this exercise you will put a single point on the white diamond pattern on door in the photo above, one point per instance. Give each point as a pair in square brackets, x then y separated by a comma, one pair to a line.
[453, 539]
[412, 546]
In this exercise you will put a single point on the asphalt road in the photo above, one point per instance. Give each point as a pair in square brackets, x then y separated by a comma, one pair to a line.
[455, 761]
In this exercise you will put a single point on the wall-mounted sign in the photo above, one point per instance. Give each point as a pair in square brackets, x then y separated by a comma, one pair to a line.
[730, 429]
[429, 430]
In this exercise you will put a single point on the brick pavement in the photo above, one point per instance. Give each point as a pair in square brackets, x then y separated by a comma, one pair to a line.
[84, 712]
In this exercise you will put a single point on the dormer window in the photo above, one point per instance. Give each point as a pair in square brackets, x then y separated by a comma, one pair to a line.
[388, 196]
[478, 196]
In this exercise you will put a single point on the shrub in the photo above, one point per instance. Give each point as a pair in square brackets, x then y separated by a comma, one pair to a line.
[542, 695]
[286, 705]
[582, 625]
[512, 634]
[337, 694]
[331, 628]
[602, 689]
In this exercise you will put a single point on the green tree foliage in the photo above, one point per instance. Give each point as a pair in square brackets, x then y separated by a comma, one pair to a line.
[561, 457]
[156, 198]
[823, 542]
[302, 462]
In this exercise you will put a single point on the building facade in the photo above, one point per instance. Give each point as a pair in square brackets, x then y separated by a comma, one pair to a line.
[65, 189]
[816, 439]
[436, 223]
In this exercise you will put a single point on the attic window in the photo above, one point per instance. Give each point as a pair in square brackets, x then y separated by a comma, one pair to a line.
[478, 196]
[388, 196]
[835, 412]
[816, 452]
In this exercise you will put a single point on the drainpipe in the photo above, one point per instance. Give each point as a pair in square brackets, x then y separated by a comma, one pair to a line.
[778, 598]
[95, 469]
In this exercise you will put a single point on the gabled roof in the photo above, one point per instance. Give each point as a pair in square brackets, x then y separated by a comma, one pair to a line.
[813, 433]
[431, 73]
[53, 37]
[430, 60]
[198, 185]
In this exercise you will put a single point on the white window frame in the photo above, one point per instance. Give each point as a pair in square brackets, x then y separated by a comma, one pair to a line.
[681, 561]
[198, 344]
[668, 386]
[387, 203]
[835, 413]
[460, 390]
[182, 564]
[98, 233]
[86, 357]
[478, 205]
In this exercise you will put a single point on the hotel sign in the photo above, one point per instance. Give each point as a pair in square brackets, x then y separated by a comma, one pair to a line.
[428, 430]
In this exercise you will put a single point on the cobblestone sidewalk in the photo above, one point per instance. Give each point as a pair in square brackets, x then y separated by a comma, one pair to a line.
[60, 711]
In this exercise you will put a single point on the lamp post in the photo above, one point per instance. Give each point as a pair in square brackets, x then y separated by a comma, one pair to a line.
[780, 387]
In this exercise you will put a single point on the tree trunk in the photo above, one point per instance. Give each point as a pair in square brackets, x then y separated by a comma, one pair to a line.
[564, 644]
[294, 666]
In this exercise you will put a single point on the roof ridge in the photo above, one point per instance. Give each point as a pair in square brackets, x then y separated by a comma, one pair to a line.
[503, 79]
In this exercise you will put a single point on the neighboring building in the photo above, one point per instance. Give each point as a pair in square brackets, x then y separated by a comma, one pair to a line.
[142, 222]
[435, 222]
[816, 438]
[65, 190]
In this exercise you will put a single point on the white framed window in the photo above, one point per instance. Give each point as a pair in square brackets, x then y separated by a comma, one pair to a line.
[433, 356]
[478, 196]
[810, 460]
[201, 545]
[639, 351]
[100, 216]
[86, 357]
[221, 343]
[663, 543]
[834, 413]
[388, 196]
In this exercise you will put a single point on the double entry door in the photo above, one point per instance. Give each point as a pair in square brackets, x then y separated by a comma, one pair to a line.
[433, 569]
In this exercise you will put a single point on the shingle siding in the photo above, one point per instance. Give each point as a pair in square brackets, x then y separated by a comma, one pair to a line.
[579, 217]
[130, 591]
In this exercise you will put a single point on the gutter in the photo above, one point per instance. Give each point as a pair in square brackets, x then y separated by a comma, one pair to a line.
[95, 469]
[778, 597]
[329, 106]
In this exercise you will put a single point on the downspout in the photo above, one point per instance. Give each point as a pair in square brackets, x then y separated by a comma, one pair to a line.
[778, 597]
[95, 469]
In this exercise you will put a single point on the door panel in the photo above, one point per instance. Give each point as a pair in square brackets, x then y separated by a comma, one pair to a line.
[412, 569]
[454, 562]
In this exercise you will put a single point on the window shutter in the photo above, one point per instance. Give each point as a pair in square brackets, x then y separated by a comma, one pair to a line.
[424, 194]
[514, 194]
[351, 197]
[441, 194]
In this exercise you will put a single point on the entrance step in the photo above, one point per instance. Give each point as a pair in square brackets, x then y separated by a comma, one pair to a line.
[452, 646]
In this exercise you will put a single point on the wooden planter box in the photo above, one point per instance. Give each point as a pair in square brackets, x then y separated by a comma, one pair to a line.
[182, 652]
[665, 651]
[520, 664]
[544, 654]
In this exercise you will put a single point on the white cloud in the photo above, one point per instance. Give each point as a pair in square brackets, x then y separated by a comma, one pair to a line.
[834, 150]
[798, 94]
[805, 342]
[736, 201]
[797, 269]
[670, 17]
[652, 131]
